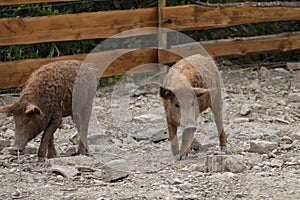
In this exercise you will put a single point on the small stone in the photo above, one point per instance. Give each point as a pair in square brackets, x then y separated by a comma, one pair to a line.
[149, 118]
[296, 144]
[161, 135]
[4, 143]
[272, 138]
[74, 138]
[287, 139]
[295, 136]
[281, 102]
[66, 126]
[276, 163]
[294, 97]
[185, 186]
[256, 168]
[281, 70]
[253, 158]
[9, 133]
[282, 120]
[245, 110]
[264, 72]
[262, 147]
[116, 141]
[30, 150]
[178, 197]
[241, 120]
[99, 139]
[290, 163]
[196, 145]
[10, 151]
[286, 146]
[177, 181]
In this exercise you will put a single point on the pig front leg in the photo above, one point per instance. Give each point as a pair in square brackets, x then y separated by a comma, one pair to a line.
[47, 142]
[173, 138]
[51, 148]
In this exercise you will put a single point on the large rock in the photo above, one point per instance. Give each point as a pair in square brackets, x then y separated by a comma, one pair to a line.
[115, 170]
[262, 147]
[66, 171]
[225, 163]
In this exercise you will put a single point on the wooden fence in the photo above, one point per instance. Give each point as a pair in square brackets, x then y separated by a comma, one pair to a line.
[15, 31]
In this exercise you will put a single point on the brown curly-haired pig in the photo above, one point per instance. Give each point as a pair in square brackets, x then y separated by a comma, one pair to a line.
[191, 86]
[54, 91]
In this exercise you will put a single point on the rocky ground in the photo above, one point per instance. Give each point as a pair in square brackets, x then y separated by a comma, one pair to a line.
[131, 159]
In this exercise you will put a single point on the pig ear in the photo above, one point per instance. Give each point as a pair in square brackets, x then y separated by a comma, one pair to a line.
[7, 109]
[31, 108]
[165, 93]
[200, 91]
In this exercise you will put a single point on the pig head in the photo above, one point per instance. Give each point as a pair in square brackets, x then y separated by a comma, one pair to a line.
[189, 88]
[29, 121]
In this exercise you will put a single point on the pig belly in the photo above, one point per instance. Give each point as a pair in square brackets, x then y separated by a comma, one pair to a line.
[204, 103]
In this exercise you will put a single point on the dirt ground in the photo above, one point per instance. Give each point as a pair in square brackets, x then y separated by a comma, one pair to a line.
[132, 159]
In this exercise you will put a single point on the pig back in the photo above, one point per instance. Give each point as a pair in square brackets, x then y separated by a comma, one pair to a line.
[195, 71]
[50, 87]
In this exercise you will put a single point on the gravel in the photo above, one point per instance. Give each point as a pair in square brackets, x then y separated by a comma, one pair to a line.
[131, 157]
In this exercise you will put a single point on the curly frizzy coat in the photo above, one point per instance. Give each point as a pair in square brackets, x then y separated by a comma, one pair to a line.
[47, 97]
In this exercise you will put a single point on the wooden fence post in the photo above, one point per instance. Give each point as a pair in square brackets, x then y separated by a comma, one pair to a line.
[162, 41]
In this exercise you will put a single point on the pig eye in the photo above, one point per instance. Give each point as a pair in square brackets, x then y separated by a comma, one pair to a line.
[177, 105]
[26, 121]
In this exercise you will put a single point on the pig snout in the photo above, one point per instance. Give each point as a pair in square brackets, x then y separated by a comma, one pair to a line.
[190, 129]
[20, 143]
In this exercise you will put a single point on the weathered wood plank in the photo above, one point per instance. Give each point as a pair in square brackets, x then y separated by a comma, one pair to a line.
[237, 46]
[16, 2]
[15, 73]
[243, 46]
[107, 24]
[74, 26]
[204, 16]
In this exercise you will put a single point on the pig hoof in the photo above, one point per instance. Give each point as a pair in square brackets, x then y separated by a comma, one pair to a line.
[41, 159]
[183, 157]
[223, 148]
[180, 157]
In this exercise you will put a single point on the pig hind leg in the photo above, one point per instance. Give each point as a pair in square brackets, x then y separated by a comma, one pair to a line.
[82, 124]
[217, 112]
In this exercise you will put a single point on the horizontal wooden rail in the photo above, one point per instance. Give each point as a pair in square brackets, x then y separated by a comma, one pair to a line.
[205, 16]
[16, 2]
[15, 73]
[68, 27]
[74, 26]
